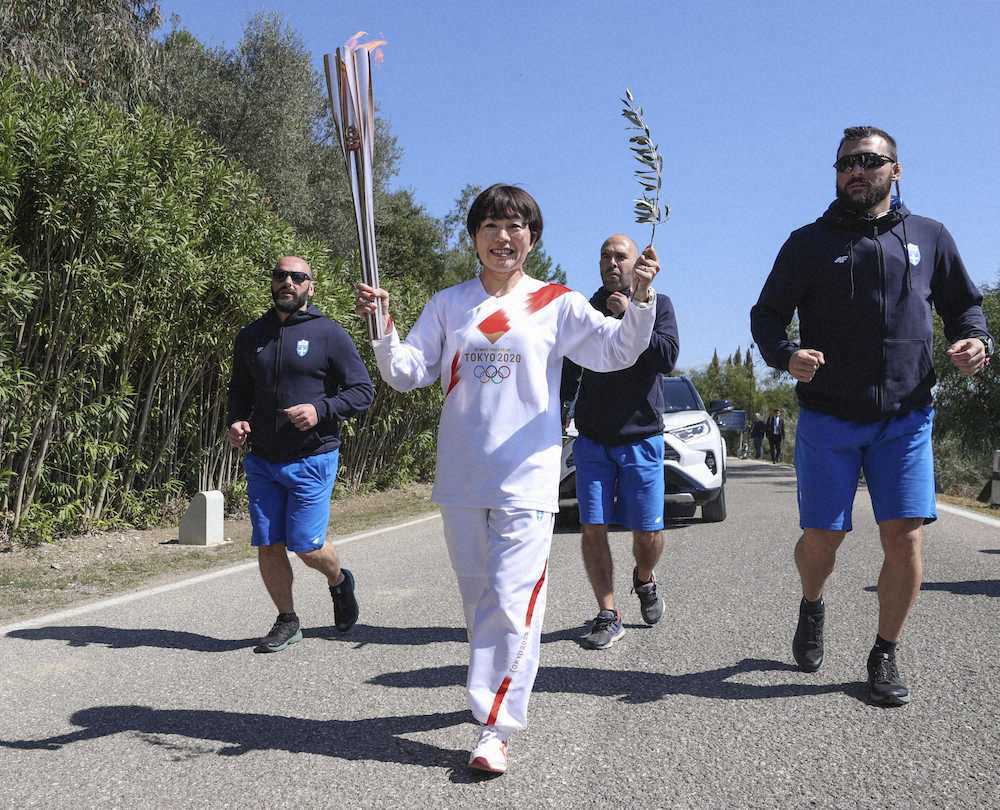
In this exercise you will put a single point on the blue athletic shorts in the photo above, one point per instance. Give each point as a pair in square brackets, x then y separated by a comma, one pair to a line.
[620, 483]
[894, 453]
[290, 501]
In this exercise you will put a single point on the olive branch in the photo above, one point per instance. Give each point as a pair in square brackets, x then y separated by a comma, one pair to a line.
[650, 175]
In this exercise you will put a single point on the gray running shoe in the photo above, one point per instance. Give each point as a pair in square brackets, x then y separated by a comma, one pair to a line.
[650, 602]
[605, 630]
[283, 634]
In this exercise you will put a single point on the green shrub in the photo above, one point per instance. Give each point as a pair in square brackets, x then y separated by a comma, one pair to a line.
[967, 413]
[131, 254]
[956, 471]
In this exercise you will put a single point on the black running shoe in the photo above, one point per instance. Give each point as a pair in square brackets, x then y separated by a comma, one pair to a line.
[885, 685]
[650, 602]
[282, 635]
[807, 645]
[345, 606]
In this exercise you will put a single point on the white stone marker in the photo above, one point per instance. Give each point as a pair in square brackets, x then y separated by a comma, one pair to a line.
[202, 523]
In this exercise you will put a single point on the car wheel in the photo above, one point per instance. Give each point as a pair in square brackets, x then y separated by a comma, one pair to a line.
[714, 511]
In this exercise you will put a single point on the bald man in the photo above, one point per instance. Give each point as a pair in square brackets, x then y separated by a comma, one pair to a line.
[619, 450]
[296, 376]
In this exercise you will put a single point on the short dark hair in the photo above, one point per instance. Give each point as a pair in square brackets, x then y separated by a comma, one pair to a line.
[859, 133]
[499, 202]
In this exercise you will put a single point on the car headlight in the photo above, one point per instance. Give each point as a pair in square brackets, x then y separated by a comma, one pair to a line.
[690, 432]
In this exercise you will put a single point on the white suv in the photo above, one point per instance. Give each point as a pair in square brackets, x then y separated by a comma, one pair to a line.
[694, 457]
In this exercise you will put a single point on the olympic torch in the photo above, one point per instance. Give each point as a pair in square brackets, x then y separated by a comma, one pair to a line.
[352, 105]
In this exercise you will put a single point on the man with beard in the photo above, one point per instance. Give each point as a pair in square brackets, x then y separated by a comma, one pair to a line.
[863, 278]
[296, 376]
[619, 450]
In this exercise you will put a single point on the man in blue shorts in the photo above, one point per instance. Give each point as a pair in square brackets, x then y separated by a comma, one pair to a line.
[296, 376]
[863, 278]
[619, 450]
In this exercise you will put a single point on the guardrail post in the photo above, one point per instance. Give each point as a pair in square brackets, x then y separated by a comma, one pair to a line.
[202, 523]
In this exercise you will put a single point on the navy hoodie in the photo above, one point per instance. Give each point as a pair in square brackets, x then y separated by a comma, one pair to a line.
[864, 289]
[306, 358]
[620, 407]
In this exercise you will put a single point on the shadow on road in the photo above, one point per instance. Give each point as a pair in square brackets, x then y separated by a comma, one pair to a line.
[677, 522]
[989, 551]
[414, 636]
[969, 587]
[761, 470]
[639, 687]
[362, 634]
[377, 738]
[120, 638]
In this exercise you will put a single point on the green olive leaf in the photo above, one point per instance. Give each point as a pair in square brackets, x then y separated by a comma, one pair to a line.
[648, 209]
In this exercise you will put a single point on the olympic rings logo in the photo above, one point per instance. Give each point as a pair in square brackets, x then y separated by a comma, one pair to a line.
[491, 374]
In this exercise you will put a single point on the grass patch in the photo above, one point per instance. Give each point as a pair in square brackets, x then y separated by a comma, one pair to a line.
[83, 568]
[971, 504]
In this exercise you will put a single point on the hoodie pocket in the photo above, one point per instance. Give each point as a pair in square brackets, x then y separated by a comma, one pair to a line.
[909, 372]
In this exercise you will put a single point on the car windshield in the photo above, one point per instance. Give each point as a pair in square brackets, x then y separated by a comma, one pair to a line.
[680, 395]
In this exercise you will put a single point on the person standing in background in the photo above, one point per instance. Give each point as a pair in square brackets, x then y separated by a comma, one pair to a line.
[775, 434]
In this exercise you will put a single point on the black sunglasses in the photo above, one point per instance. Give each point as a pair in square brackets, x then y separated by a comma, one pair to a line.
[294, 275]
[866, 160]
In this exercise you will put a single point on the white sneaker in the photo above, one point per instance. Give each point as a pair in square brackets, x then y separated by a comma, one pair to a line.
[490, 753]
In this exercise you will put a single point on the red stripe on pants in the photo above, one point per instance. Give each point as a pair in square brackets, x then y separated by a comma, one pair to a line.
[501, 692]
[505, 683]
[534, 594]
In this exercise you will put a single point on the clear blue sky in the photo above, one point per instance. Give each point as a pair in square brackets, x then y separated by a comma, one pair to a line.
[747, 101]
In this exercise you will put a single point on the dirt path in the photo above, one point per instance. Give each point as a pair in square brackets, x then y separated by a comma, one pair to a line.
[87, 567]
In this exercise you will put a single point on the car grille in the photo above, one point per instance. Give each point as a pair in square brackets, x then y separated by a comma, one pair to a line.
[669, 454]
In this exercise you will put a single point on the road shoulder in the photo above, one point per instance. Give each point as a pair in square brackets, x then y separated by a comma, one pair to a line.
[86, 568]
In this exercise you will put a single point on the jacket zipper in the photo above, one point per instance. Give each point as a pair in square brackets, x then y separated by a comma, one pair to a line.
[277, 373]
[884, 329]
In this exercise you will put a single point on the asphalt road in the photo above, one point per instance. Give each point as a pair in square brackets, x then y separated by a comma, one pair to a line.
[157, 701]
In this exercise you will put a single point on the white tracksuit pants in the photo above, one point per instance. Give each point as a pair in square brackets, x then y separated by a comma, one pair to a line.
[500, 557]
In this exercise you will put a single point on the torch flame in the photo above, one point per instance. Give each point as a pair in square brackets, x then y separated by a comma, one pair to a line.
[374, 47]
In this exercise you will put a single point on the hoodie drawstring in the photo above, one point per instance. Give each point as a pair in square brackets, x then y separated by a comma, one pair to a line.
[850, 248]
[866, 227]
[906, 254]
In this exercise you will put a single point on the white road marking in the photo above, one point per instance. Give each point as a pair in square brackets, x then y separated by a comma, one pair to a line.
[968, 513]
[184, 583]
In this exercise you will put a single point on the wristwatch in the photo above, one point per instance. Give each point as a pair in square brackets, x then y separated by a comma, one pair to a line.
[987, 343]
[650, 299]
